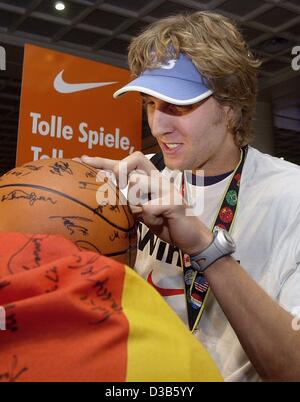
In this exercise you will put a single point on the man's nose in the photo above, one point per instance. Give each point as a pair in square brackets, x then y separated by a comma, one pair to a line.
[160, 123]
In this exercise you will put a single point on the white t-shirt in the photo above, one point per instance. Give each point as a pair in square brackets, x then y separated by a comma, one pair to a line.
[267, 235]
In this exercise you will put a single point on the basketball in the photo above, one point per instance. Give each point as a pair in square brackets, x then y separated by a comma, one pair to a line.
[62, 196]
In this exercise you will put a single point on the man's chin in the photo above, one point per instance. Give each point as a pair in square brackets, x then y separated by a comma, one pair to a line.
[176, 162]
[175, 165]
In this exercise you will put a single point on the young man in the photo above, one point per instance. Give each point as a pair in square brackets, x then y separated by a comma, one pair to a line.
[198, 81]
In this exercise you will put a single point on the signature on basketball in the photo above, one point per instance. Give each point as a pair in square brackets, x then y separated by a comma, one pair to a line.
[31, 197]
[60, 168]
[118, 235]
[71, 223]
[84, 185]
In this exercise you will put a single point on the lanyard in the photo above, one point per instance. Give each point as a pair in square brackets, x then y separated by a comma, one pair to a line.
[196, 286]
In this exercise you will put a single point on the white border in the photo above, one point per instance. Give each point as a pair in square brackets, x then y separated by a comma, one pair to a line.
[158, 95]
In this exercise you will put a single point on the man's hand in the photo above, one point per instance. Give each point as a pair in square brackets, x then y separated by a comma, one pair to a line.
[165, 213]
[155, 200]
[135, 161]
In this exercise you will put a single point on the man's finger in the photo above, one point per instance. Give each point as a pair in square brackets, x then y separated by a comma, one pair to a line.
[122, 169]
[153, 220]
[99, 163]
[137, 212]
[142, 187]
[77, 160]
[138, 161]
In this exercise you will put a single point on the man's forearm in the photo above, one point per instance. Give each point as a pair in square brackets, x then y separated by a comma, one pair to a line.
[264, 328]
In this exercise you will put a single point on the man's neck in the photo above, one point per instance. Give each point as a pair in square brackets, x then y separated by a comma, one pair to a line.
[223, 162]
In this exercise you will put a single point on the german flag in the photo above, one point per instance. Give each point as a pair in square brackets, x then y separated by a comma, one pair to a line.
[74, 315]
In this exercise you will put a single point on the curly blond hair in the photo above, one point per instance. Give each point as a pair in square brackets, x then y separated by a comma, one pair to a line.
[219, 52]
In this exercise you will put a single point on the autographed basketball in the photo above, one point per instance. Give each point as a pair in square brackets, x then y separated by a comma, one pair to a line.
[62, 196]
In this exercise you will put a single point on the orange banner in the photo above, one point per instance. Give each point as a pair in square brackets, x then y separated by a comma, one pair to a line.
[67, 109]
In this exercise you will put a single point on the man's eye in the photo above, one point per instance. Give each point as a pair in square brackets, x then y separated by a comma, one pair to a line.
[178, 110]
[168, 108]
[175, 108]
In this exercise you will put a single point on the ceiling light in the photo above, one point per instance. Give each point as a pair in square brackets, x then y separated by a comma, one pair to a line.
[59, 5]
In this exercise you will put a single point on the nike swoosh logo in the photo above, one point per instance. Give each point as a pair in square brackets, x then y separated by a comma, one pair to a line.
[65, 88]
[164, 292]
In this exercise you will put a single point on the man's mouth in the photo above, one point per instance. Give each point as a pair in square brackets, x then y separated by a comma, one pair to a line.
[170, 147]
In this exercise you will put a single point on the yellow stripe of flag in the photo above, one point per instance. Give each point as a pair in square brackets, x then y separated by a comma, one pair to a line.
[160, 347]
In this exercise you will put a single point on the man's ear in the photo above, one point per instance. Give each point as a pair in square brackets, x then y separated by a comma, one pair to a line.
[228, 112]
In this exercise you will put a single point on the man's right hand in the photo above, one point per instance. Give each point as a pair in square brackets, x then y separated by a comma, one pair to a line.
[164, 212]
[137, 161]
